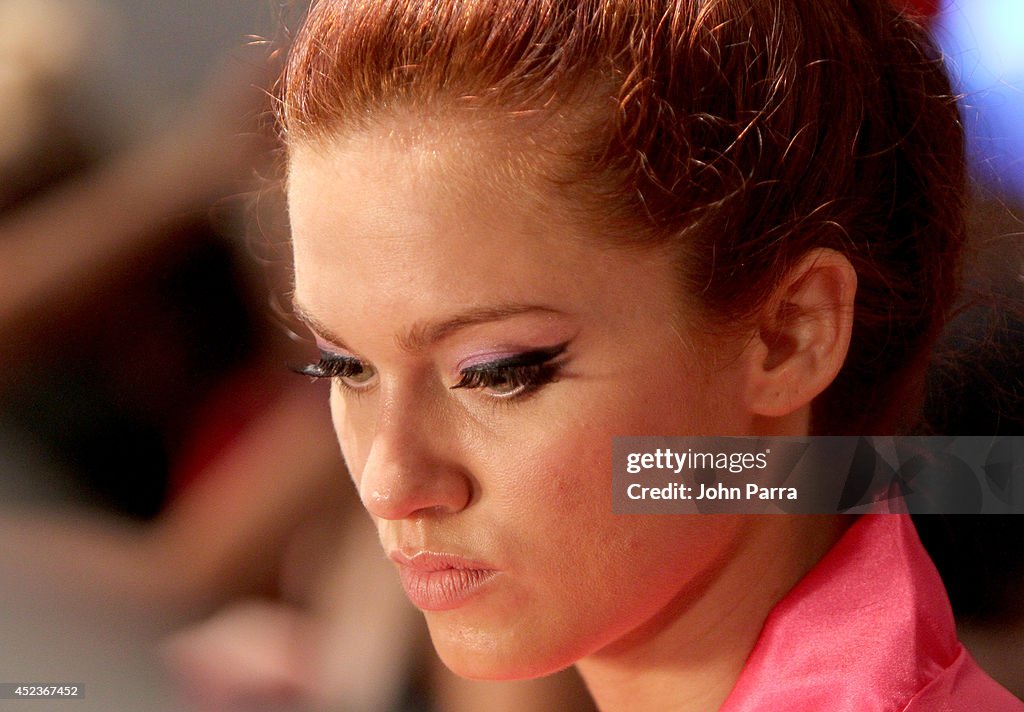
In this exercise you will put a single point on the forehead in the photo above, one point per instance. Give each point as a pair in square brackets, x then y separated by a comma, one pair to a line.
[476, 181]
[396, 217]
[527, 155]
[394, 229]
[380, 166]
[399, 185]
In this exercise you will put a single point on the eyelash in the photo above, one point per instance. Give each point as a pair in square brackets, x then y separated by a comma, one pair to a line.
[524, 373]
[335, 367]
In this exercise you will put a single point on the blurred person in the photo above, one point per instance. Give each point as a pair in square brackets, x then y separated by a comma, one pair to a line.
[38, 142]
[97, 272]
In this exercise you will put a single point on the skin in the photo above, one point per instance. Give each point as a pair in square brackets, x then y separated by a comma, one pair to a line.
[418, 261]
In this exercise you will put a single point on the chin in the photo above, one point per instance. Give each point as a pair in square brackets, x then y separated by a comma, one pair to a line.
[484, 655]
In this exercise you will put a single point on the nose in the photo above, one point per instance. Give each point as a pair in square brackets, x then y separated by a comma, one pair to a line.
[411, 469]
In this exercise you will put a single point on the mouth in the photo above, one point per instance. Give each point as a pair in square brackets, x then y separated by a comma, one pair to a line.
[440, 582]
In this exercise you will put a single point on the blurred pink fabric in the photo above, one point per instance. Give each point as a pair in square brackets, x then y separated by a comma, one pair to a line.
[869, 629]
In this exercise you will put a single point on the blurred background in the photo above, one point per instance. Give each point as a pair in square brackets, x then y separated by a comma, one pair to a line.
[176, 528]
[177, 531]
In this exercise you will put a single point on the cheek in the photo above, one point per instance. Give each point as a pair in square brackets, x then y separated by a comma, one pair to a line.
[354, 436]
[561, 493]
[685, 402]
[556, 466]
[580, 573]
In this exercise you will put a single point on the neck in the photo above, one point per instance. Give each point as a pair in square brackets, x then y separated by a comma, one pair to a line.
[690, 655]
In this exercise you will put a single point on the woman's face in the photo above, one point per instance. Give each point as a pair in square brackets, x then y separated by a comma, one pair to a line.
[485, 351]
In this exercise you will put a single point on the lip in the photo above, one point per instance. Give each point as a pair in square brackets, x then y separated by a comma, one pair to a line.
[439, 581]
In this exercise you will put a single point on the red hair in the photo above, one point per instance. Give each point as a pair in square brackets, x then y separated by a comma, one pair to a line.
[747, 132]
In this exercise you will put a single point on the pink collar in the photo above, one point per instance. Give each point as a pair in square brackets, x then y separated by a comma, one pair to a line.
[868, 629]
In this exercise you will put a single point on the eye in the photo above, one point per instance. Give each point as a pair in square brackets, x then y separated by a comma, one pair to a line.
[514, 376]
[349, 371]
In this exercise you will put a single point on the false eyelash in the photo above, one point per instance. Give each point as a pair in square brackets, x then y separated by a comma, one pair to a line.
[528, 378]
[526, 371]
[331, 366]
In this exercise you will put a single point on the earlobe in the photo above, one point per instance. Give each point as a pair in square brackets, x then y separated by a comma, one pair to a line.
[802, 336]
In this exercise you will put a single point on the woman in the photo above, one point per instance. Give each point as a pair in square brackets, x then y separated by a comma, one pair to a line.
[521, 228]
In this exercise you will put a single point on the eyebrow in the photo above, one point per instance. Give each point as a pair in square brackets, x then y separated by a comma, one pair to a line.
[428, 333]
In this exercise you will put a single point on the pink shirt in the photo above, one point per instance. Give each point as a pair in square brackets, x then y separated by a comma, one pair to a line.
[869, 629]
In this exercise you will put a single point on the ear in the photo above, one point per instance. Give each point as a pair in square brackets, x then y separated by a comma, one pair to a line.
[802, 335]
